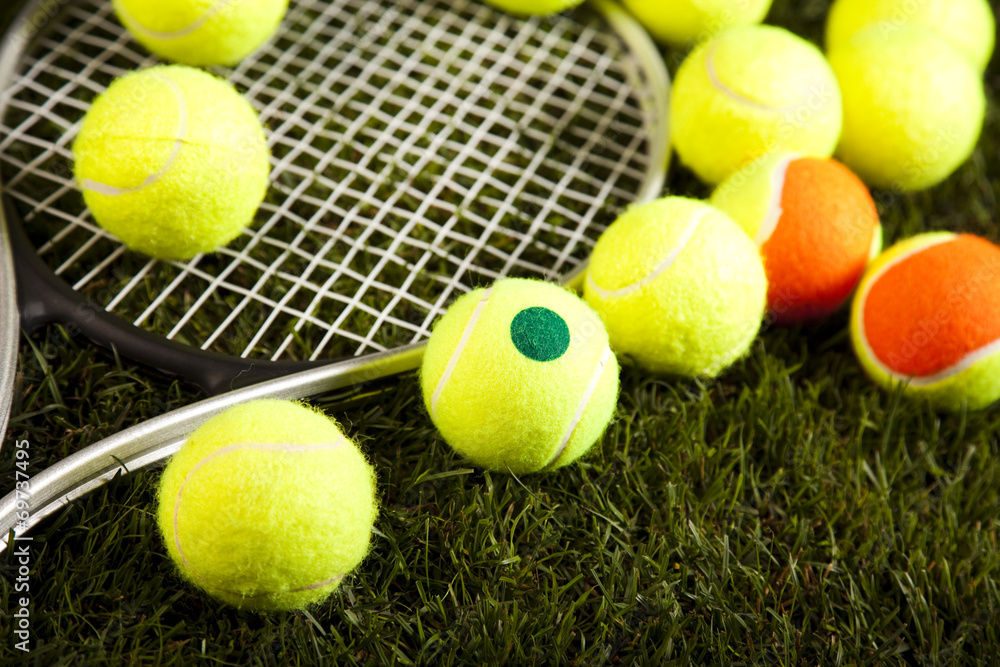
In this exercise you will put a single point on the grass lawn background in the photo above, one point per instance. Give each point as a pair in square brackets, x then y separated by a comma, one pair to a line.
[787, 513]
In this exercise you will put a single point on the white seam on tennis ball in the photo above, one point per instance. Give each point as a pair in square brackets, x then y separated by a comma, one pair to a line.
[311, 587]
[317, 585]
[967, 362]
[137, 26]
[963, 364]
[718, 84]
[280, 447]
[876, 246]
[686, 237]
[453, 360]
[111, 190]
[774, 209]
[587, 395]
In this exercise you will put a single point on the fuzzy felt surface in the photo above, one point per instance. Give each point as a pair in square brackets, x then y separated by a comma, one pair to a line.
[528, 7]
[505, 386]
[201, 32]
[927, 314]
[913, 106]
[680, 22]
[693, 317]
[825, 230]
[750, 91]
[968, 25]
[172, 160]
[267, 506]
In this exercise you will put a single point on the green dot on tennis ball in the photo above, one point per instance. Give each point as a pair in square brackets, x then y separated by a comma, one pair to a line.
[540, 334]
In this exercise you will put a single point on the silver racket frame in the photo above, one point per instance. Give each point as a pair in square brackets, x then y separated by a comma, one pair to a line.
[9, 325]
[155, 440]
[9, 317]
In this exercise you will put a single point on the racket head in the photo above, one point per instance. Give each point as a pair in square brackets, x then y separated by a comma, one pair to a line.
[420, 148]
[41, 122]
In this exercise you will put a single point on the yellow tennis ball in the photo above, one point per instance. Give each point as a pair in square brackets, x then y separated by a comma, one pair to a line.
[201, 32]
[528, 7]
[267, 506]
[519, 377]
[749, 91]
[968, 25]
[172, 161]
[680, 22]
[680, 286]
[913, 107]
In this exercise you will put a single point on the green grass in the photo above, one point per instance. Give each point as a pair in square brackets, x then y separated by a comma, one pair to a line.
[787, 513]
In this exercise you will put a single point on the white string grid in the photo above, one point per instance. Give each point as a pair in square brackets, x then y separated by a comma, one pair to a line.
[420, 148]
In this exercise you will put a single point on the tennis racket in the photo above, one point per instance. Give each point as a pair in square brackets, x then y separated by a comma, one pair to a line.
[9, 324]
[420, 148]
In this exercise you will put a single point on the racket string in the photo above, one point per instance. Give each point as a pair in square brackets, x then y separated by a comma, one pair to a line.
[419, 149]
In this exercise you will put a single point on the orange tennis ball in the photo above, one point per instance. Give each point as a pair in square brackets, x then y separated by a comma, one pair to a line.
[816, 225]
[927, 316]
